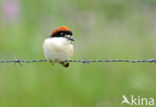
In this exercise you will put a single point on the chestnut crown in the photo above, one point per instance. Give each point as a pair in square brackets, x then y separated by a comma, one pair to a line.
[61, 32]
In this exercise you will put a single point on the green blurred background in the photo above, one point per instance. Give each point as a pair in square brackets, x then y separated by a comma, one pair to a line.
[103, 29]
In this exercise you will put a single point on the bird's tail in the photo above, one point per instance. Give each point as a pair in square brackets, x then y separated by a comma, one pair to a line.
[65, 64]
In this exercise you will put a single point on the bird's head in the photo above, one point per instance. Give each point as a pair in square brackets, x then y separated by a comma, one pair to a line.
[64, 32]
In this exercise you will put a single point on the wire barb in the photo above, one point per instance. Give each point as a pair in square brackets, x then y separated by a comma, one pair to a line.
[84, 60]
[16, 60]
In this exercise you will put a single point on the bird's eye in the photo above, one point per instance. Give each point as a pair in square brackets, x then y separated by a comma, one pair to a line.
[61, 34]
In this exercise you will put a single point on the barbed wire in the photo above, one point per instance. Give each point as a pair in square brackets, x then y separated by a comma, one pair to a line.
[83, 60]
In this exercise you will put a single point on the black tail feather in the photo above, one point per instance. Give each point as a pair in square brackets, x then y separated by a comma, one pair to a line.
[65, 64]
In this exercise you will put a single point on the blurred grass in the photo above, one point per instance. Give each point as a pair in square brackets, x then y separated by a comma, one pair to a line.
[104, 29]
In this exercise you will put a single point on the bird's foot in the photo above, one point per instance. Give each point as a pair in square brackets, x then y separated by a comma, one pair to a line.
[51, 62]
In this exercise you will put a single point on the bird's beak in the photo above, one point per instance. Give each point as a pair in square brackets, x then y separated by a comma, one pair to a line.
[71, 38]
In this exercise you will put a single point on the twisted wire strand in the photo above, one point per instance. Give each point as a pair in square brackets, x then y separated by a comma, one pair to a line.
[121, 60]
[83, 60]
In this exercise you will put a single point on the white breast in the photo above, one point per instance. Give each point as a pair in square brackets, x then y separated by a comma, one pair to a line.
[57, 49]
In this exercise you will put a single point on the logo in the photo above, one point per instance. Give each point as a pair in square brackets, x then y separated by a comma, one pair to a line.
[138, 100]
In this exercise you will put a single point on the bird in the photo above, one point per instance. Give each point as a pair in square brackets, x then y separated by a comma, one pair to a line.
[58, 47]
